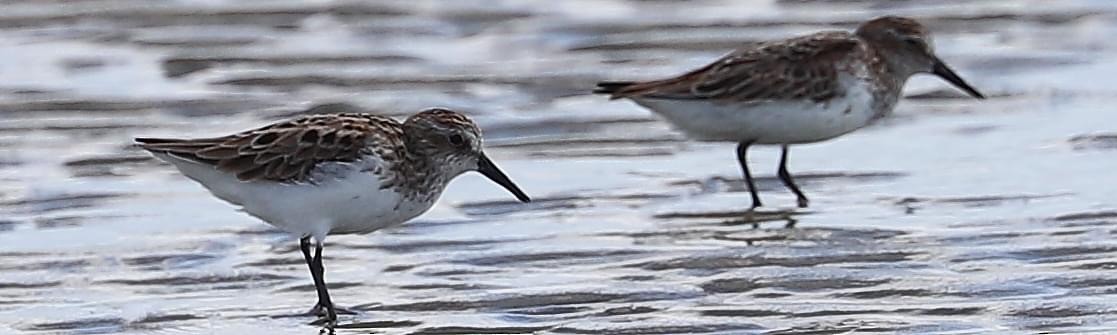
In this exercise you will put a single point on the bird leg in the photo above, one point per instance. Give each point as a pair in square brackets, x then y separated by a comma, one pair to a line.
[785, 177]
[319, 308]
[317, 271]
[742, 149]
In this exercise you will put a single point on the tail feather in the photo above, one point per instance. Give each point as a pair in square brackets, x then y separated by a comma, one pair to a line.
[181, 149]
[143, 141]
[611, 87]
[184, 149]
[168, 144]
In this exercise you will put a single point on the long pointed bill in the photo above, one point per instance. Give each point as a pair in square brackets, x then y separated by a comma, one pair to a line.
[946, 73]
[487, 168]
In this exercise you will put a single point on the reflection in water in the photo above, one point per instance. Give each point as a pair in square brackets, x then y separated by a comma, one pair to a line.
[949, 217]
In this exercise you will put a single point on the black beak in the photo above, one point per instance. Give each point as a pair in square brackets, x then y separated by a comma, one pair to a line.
[487, 168]
[946, 73]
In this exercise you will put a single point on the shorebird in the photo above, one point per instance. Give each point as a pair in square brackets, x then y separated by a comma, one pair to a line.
[800, 90]
[320, 175]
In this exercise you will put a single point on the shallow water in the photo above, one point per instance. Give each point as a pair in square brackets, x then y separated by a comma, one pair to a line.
[954, 216]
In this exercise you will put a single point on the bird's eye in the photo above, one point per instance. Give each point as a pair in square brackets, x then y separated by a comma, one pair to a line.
[456, 140]
[913, 42]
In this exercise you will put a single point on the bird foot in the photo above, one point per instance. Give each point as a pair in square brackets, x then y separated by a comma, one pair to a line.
[803, 202]
[325, 322]
[319, 310]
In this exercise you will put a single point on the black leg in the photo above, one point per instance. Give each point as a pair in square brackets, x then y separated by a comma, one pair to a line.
[785, 177]
[320, 284]
[742, 149]
[304, 245]
[317, 271]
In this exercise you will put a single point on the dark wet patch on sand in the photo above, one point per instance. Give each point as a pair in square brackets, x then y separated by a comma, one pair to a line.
[70, 263]
[446, 286]
[160, 318]
[333, 286]
[740, 217]
[1094, 141]
[239, 278]
[7, 225]
[501, 207]
[45, 222]
[551, 310]
[841, 327]
[154, 262]
[184, 65]
[90, 325]
[529, 301]
[738, 285]
[551, 258]
[888, 293]
[1054, 310]
[100, 162]
[760, 313]
[1056, 254]
[434, 246]
[45, 204]
[741, 313]
[1103, 265]
[274, 262]
[643, 329]
[759, 260]
[379, 324]
[28, 285]
[1087, 216]
[970, 201]
[999, 291]
[465, 330]
[1082, 282]
[555, 202]
[454, 272]
[106, 325]
[509, 302]
[771, 182]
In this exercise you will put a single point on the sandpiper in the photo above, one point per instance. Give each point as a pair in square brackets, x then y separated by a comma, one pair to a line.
[334, 174]
[799, 90]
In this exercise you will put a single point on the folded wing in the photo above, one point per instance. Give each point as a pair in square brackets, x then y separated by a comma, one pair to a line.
[287, 151]
[796, 69]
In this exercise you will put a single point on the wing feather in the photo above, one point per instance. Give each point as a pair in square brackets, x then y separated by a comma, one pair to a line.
[288, 151]
[795, 69]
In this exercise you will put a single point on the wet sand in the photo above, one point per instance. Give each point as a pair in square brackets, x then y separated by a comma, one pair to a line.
[953, 216]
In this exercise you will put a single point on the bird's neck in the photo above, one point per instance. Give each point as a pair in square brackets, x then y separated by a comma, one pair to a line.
[419, 176]
[888, 80]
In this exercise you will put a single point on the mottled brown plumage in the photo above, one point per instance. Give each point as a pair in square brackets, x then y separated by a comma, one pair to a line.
[798, 68]
[287, 151]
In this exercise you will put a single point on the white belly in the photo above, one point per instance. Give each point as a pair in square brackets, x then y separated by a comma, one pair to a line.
[346, 205]
[768, 122]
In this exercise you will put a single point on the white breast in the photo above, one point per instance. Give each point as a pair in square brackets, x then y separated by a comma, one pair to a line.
[352, 202]
[770, 122]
